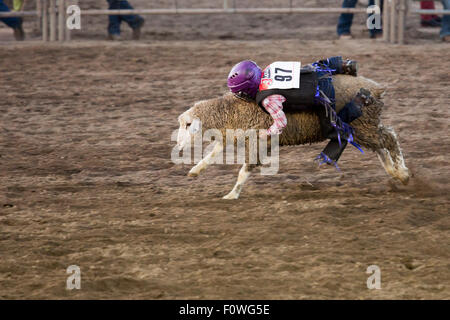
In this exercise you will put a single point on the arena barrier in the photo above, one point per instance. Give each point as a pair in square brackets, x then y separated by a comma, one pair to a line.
[394, 18]
[51, 15]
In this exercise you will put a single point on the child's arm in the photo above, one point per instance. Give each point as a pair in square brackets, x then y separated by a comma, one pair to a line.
[274, 106]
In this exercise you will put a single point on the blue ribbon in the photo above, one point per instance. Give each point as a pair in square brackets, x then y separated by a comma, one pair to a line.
[323, 158]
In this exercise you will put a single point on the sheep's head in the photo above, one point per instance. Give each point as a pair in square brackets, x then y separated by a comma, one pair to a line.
[189, 125]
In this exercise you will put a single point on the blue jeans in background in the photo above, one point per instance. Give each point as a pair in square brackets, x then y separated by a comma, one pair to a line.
[445, 31]
[10, 22]
[346, 19]
[133, 21]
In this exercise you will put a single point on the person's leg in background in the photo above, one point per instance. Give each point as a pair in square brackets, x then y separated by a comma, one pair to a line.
[429, 20]
[14, 23]
[114, 21]
[134, 21]
[346, 20]
[375, 33]
[445, 31]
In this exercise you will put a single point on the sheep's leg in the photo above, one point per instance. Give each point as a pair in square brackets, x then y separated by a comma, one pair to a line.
[206, 161]
[244, 173]
[391, 156]
[371, 134]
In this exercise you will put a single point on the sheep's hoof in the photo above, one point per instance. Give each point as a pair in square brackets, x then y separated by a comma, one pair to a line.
[231, 196]
[192, 174]
[400, 174]
[404, 177]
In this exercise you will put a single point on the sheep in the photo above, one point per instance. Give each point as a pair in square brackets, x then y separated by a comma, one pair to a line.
[231, 112]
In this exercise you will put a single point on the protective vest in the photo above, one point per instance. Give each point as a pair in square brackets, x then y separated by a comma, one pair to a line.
[287, 78]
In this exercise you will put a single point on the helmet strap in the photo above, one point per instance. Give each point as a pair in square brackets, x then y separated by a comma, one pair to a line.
[244, 96]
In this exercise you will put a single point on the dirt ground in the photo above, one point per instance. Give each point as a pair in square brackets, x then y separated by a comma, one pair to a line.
[87, 180]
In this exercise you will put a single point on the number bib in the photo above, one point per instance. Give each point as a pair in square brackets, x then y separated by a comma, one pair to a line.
[281, 75]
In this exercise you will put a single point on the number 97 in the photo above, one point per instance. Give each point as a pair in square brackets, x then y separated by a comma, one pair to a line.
[283, 78]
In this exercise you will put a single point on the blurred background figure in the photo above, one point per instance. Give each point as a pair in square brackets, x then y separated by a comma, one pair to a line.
[13, 23]
[445, 31]
[346, 20]
[134, 21]
[429, 20]
[18, 5]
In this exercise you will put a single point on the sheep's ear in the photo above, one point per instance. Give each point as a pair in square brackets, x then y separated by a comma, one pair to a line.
[195, 126]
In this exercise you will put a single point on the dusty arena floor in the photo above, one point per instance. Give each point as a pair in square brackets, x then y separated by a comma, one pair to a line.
[87, 180]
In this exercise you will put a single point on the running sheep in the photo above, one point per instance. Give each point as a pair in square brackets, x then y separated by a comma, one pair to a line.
[231, 112]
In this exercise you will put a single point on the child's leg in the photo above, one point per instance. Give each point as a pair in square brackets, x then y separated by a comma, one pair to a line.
[336, 144]
[332, 65]
[336, 65]
[350, 112]
[336, 127]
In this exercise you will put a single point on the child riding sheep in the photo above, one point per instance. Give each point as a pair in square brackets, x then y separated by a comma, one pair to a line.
[288, 87]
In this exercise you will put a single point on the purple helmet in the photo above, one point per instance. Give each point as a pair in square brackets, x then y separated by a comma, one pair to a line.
[244, 78]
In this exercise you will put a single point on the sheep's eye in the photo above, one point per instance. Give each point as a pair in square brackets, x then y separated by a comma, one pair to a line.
[188, 125]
